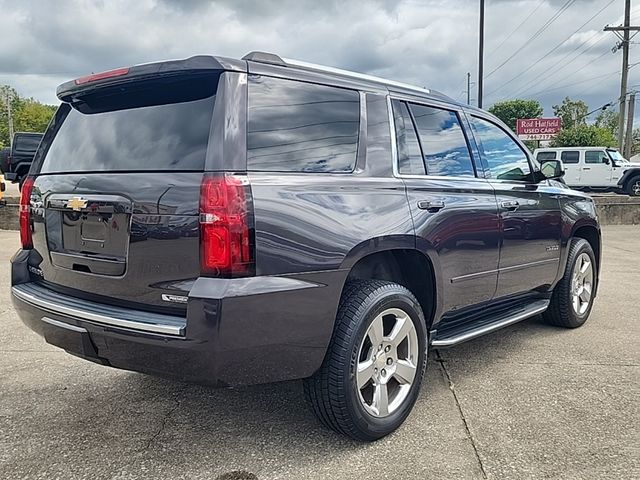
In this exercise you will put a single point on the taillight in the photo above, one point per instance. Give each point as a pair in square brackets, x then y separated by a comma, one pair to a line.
[25, 213]
[226, 226]
[118, 72]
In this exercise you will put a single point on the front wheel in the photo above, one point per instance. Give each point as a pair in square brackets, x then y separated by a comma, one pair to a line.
[633, 186]
[370, 378]
[573, 296]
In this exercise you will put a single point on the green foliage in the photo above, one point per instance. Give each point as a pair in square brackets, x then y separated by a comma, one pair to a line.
[28, 114]
[584, 136]
[571, 112]
[33, 116]
[635, 144]
[511, 110]
[608, 119]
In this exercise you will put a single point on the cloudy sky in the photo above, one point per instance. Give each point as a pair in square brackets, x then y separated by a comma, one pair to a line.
[544, 49]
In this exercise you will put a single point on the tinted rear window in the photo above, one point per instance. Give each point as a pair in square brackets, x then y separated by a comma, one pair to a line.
[301, 127]
[28, 143]
[443, 142]
[155, 136]
[571, 156]
[410, 160]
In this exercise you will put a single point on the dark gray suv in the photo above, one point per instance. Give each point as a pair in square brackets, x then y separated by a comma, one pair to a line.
[243, 221]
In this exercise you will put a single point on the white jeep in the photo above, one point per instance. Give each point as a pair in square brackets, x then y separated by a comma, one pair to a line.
[594, 168]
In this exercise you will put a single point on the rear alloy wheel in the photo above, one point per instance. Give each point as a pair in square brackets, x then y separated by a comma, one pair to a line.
[572, 298]
[582, 284]
[633, 186]
[387, 364]
[370, 378]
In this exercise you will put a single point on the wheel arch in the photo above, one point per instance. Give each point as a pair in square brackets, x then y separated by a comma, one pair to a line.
[407, 267]
[627, 176]
[590, 233]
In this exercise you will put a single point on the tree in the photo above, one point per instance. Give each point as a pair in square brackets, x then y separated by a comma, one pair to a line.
[571, 112]
[12, 94]
[33, 116]
[584, 136]
[608, 119]
[511, 110]
[28, 114]
[635, 145]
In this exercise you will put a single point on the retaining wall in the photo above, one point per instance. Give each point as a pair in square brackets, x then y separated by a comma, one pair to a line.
[612, 210]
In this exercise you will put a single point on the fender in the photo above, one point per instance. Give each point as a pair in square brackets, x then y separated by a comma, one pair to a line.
[631, 172]
[399, 242]
[581, 222]
[376, 245]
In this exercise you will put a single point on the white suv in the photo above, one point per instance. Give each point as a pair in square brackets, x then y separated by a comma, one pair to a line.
[597, 168]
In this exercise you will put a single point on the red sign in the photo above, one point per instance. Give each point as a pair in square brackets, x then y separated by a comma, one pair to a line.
[538, 128]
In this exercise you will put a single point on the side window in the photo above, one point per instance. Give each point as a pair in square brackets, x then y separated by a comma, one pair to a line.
[544, 156]
[505, 158]
[443, 143]
[27, 143]
[301, 127]
[409, 155]
[570, 156]
[594, 156]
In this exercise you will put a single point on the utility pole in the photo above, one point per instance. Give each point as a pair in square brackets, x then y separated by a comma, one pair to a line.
[625, 72]
[625, 29]
[468, 88]
[481, 54]
[9, 119]
[629, 138]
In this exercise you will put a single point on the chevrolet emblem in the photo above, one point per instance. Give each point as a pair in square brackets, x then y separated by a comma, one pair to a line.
[76, 203]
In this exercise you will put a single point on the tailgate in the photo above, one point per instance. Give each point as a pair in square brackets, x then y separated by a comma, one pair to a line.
[115, 203]
[132, 242]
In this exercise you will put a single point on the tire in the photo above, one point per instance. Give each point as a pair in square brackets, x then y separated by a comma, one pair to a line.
[371, 309]
[562, 311]
[633, 186]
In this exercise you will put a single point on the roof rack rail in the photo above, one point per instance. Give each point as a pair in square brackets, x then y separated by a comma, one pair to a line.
[264, 57]
[273, 59]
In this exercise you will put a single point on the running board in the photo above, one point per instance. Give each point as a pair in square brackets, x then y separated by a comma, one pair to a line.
[476, 329]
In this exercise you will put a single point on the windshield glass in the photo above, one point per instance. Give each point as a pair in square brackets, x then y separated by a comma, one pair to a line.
[615, 155]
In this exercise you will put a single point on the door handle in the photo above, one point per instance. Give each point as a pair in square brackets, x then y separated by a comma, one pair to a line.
[510, 204]
[431, 205]
[586, 168]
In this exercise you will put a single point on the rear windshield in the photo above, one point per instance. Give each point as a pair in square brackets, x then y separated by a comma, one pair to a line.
[27, 143]
[151, 136]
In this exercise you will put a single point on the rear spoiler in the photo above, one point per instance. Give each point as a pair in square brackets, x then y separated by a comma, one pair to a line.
[79, 87]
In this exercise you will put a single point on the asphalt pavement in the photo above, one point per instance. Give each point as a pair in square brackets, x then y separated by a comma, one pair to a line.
[530, 401]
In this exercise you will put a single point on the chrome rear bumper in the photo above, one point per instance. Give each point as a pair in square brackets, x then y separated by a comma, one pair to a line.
[50, 301]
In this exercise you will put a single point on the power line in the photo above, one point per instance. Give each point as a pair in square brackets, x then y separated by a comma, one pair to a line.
[518, 27]
[575, 71]
[533, 65]
[559, 12]
[527, 86]
[572, 84]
